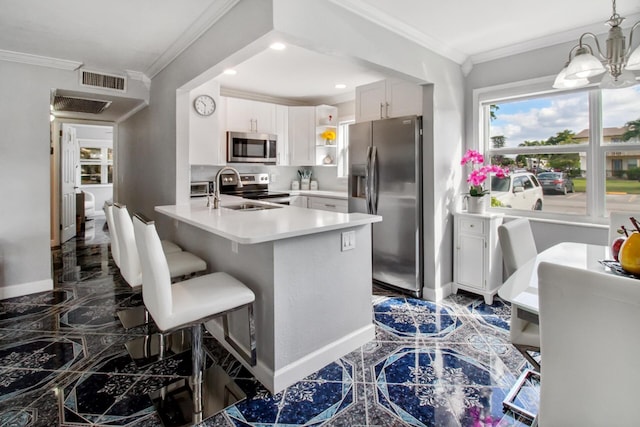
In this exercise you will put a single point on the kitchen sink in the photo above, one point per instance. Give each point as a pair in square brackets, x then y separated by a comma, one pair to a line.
[248, 206]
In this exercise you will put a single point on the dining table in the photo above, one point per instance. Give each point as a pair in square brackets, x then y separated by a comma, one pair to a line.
[521, 288]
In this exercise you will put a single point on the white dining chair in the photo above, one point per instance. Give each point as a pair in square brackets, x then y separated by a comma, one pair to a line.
[517, 243]
[589, 338]
[190, 303]
[518, 246]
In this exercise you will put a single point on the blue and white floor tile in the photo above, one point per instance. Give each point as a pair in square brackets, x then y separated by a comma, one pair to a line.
[63, 361]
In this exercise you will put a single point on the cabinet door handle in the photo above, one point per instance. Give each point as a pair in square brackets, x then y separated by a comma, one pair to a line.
[330, 206]
[387, 109]
[381, 106]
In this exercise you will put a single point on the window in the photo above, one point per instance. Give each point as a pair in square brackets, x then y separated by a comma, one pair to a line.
[590, 138]
[343, 148]
[96, 162]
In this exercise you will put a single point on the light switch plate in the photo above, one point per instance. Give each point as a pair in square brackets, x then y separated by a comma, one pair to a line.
[348, 240]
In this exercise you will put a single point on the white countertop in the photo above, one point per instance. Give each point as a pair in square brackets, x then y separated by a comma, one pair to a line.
[320, 193]
[247, 227]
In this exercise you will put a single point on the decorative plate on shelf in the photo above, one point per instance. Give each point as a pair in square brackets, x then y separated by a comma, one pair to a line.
[617, 268]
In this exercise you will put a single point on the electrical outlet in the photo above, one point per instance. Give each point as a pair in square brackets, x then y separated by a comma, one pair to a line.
[348, 240]
[234, 247]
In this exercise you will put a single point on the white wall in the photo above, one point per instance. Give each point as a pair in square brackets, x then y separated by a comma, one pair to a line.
[25, 164]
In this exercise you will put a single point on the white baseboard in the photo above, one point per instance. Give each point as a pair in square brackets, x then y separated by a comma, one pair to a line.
[277, 381]
[438, 294]
[320, 358]
[26, 289]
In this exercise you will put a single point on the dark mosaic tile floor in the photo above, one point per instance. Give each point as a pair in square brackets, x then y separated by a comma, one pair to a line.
[63, 361]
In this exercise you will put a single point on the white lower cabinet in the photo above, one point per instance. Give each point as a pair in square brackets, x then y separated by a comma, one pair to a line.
[328, 204]
[299, 201]
[477, 258]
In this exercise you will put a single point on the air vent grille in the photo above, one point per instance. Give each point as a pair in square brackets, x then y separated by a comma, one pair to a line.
[105, 81]
[79, 105]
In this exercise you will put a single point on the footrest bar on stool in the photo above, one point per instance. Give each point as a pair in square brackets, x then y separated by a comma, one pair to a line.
[149, 349]
[509, 402]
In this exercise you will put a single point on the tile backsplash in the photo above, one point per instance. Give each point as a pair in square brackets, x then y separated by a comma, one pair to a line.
[281, 176]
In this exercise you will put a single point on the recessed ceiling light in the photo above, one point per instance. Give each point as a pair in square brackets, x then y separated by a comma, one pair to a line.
[230, 72]
[278, 46]
[341, 86]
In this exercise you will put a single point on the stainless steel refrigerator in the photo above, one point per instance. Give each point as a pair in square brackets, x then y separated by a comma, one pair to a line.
[385, 178]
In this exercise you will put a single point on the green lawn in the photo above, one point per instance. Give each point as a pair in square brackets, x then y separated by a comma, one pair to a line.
[613, 185]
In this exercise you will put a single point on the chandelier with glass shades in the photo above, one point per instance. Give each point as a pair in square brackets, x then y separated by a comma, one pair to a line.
[617, 62]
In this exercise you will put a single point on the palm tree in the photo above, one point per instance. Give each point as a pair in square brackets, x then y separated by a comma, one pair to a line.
[633, 130]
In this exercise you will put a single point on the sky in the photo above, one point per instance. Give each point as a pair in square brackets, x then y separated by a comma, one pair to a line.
[538, 119]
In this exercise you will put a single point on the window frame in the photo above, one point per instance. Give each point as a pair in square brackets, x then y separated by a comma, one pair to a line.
[595, 150]
[104, 162]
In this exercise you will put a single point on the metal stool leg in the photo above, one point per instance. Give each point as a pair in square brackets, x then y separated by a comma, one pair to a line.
[197, 361]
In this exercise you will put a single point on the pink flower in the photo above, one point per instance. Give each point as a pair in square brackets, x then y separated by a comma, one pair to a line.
[472, 156]
[479, 175]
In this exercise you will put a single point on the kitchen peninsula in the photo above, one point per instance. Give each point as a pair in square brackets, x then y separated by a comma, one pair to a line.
[313, 295]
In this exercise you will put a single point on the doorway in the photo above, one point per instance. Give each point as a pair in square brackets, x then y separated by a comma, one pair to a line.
[82, 176]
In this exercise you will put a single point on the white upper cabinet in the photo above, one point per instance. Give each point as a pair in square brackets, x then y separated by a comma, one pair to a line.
[251, 116]
[282, 130]
[388, 98]
[302, 138]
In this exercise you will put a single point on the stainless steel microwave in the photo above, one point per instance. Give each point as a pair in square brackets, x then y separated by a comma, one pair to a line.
[251, 147]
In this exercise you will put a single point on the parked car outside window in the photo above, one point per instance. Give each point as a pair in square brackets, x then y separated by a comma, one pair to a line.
[556, 181]
[519, 190]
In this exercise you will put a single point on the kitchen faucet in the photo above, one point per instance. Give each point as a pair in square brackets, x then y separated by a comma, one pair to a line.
[216, 192]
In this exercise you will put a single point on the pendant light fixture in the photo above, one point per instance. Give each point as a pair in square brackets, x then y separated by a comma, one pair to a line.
[617, 61]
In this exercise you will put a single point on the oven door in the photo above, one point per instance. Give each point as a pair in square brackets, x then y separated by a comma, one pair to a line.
[251, 147]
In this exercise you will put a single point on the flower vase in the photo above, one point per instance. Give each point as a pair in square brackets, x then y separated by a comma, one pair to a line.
[476, 204]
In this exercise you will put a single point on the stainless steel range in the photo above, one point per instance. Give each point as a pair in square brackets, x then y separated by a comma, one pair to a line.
[255, 186]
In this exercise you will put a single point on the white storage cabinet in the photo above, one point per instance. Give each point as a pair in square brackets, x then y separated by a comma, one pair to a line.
[244, 115]
[388, 98]
[299, 201]
[328, 204]
[302, 140]
[477, 258]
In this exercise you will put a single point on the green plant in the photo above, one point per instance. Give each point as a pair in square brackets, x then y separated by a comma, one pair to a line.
[633, 173]
[495, 203]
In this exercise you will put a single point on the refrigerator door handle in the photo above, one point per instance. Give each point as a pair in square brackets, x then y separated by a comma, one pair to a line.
[374, 181]
[367, 183]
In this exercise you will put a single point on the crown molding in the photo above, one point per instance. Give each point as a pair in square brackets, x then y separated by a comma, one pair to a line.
[140, 76]
[366, 11]
[252, 96]
[550, 40]
[202, 24]
[42, 61]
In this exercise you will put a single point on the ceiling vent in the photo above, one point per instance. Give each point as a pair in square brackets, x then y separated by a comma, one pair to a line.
[104, 81]
[79, 105]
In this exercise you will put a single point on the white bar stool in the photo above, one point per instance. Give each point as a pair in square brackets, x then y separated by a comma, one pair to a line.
[181, 263]
[190, 303]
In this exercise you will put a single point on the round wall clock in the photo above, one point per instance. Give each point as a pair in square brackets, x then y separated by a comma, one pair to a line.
[204, 105]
